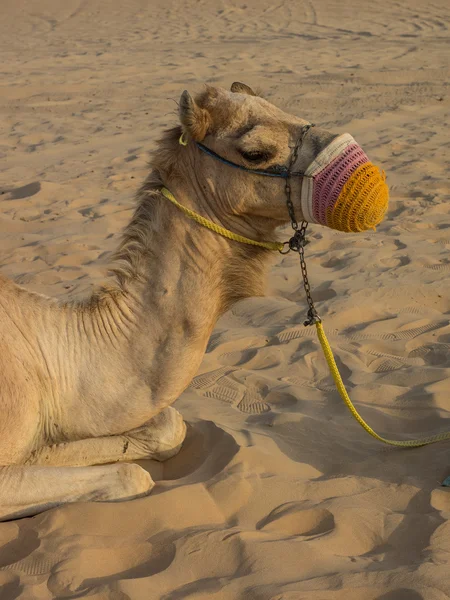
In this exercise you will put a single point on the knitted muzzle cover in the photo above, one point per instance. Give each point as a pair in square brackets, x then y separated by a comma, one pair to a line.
[343, 190]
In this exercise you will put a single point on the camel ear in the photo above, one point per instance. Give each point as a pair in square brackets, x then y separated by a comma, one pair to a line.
[240, 88]
[195, 120]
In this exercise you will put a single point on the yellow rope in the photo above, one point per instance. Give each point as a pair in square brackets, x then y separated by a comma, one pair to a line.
[217, 228]
[345, 397]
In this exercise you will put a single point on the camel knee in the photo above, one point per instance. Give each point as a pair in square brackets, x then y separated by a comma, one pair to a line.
[170, 424]
[162, 437]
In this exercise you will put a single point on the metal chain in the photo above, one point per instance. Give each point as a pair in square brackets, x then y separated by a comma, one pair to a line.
[287, 187]
[298, 240]
[313, 316]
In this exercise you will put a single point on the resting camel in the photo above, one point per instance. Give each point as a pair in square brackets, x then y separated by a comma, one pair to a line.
[92, 382]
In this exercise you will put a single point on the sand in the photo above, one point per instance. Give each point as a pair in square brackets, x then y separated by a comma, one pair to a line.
[277, 494]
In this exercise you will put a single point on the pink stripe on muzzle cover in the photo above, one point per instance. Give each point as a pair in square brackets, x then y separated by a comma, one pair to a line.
[329, 182]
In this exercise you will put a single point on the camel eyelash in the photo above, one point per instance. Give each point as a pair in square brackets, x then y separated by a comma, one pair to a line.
[255, 155]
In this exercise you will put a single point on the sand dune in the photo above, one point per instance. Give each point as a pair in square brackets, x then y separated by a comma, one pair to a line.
[277, 494]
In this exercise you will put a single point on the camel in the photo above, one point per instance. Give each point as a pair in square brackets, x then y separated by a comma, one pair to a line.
[87, 387]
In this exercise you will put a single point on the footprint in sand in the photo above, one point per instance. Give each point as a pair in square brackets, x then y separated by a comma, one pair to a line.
[440, 241]
[300, 331]
[219, 385]
[386, 365]
[291, 519]
[247, 400]
[443, 265]
[400, 335]
[436, 354]
[252, 403]
[205, 380]
[411, 309]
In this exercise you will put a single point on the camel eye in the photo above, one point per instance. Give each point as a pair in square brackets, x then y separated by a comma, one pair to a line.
[255, 156]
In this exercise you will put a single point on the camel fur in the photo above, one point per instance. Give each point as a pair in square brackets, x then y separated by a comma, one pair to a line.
[92, 382]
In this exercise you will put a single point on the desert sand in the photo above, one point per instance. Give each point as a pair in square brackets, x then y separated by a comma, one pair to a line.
[278, 494]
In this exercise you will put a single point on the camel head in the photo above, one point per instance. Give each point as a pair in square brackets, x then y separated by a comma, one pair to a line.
[332, 181]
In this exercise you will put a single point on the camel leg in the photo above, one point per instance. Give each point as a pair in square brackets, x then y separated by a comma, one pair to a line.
[26, 491]
[160, 438]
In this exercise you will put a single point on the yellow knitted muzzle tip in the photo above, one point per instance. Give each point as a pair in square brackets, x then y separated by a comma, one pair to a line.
[363, 201]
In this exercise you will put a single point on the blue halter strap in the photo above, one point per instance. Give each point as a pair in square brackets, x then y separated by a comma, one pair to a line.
[277, 171]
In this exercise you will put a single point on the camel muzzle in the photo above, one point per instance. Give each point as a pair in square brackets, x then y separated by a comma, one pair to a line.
[342, 189]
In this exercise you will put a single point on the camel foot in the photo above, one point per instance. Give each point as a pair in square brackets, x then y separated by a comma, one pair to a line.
[135, 482]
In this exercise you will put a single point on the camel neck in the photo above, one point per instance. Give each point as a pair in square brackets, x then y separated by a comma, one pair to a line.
[163, 255]
[175, 279]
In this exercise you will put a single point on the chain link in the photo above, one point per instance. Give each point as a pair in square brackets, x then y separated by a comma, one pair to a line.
[313, 316]
[290, 206]
[287, 187]
[298, 240]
